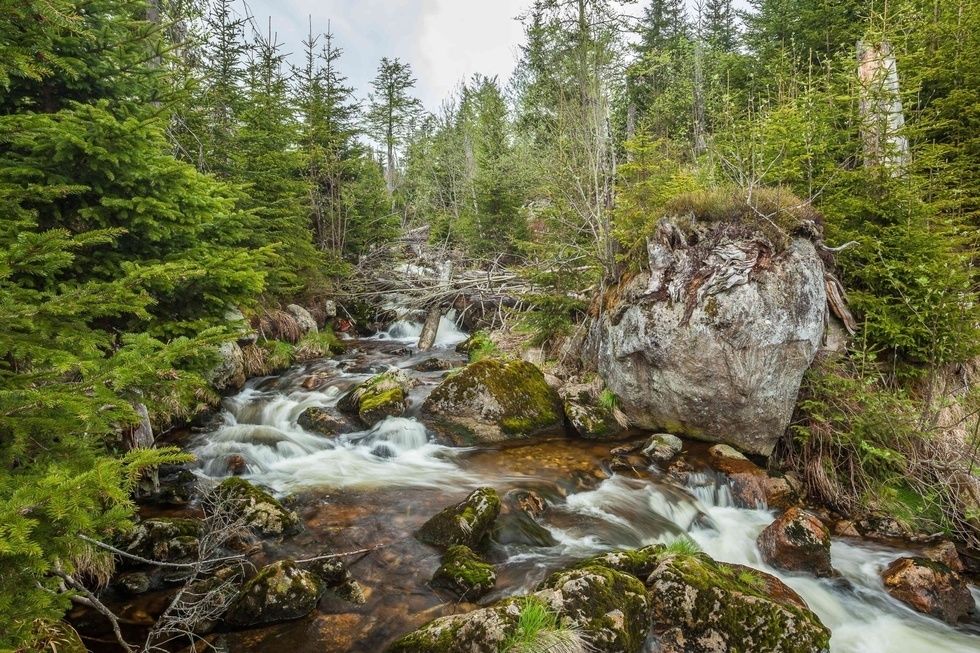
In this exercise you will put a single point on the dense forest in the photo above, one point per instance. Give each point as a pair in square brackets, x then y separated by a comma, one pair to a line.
[170, 176]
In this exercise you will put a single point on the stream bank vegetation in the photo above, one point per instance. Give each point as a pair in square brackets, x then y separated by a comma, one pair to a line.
[161, 166]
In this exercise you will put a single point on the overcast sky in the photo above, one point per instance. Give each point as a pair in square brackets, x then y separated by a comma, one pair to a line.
[445, 41]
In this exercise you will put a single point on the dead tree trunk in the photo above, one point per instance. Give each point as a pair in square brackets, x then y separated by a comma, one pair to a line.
[430, 329]
[882, 118]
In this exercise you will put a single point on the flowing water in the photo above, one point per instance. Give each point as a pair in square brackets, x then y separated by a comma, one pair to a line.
[377, 486]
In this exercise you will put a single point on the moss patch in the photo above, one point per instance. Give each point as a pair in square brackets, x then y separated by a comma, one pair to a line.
[263, 513]
[383, 395]
[464, 573]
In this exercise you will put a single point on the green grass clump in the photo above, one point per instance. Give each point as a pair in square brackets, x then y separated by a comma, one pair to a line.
[608, 399]
[683, 545]
[539, 631]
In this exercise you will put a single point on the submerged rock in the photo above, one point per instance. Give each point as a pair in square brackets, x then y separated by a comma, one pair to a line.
[468, 522]
[279, 592]
[929, 587]
[517, 523]
[337, 579]
[464, 573]
[702, 606]
[383, 395]
[165, 539]
[320, 420]
[262, 512]
[797, 541]
[712, 338]
[493, 400]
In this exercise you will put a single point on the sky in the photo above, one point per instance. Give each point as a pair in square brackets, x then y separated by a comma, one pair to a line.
[445, 41]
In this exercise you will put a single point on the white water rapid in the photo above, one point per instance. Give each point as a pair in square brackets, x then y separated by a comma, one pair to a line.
[260, 426]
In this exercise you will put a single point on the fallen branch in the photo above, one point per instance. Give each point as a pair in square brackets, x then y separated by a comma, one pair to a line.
[340, 555]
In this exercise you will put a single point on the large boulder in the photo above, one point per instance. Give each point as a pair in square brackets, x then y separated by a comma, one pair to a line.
[279, 592]
[260, 510]
[703, 606]
[797, 541]
[493, 400]
[467, 522]
[464, 573]
[711, 339]
[929, 587]
[383, 395]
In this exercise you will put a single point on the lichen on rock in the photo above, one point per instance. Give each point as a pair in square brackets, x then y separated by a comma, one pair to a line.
[261, 511]
[279, 592]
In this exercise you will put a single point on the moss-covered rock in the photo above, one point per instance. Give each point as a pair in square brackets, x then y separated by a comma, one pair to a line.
[467, 522]
[610, 606]
[480, 631]
[929, 587]
[661, 448]
[517, 523]
[591, 418]
[702, 606]
[263, 513]
[337, 579]
[493, 400]
[166, 539]
[464, 573]
[383, 395]
[797, 541]
[279, 592]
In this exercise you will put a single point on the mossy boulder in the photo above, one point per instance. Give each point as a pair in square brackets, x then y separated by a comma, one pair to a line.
[165, 539]
[493, 400]
[467, 522]
[929, 587]
[337, 579]
[797, 541]
[481, 631]
[262, 512]
[611, 607]
[279, 592]
[703, 606]
[383, 395]
[464, 573]
[588, 416]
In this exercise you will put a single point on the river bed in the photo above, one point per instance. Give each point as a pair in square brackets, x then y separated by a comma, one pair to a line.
[374, 488]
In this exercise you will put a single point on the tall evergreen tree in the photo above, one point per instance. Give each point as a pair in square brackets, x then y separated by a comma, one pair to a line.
[392, 111]
[718, 24]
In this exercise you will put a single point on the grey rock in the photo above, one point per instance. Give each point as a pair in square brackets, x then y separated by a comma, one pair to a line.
[662, 447]
[713, 340]
[304, 320]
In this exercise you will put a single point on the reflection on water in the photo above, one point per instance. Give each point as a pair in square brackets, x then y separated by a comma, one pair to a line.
[377, 486]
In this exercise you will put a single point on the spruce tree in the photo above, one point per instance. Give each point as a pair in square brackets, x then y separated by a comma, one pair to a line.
[392, 111]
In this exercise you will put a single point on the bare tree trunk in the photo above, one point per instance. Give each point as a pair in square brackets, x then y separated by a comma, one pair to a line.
[700, 142]
[430, 329]
[882, 117]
